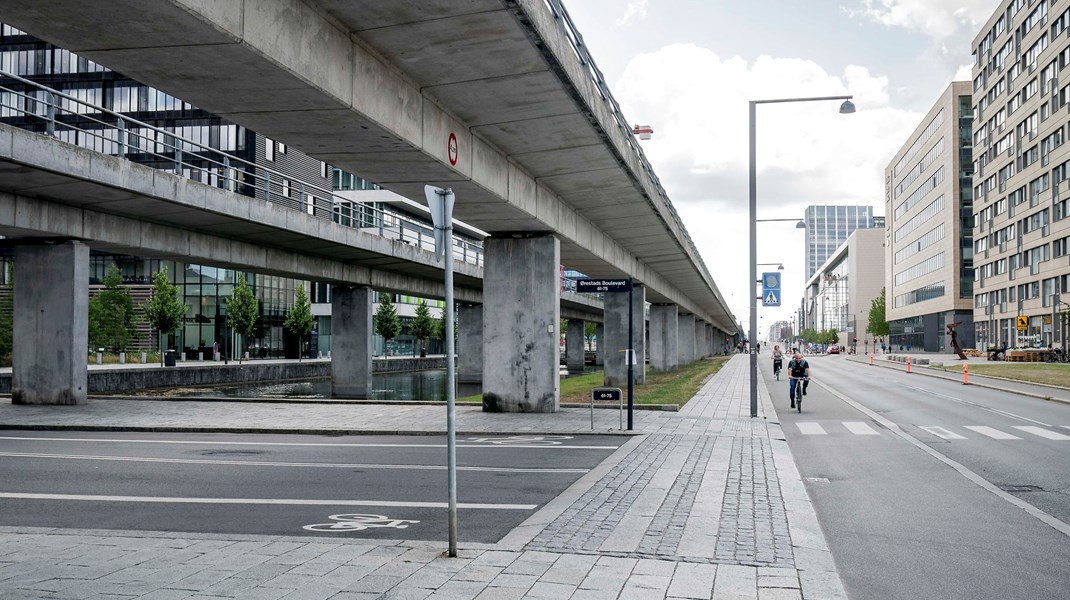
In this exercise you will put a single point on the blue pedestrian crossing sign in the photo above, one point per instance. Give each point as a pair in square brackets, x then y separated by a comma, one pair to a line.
[771, 289]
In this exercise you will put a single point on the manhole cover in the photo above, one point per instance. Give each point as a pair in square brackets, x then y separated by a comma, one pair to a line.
[1021, 488]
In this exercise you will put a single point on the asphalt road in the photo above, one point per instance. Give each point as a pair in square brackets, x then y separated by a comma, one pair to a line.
[389, 486]
[901, 520]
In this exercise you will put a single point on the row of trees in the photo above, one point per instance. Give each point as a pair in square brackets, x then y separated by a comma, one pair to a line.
[824, 336]
[112, 317]
[424, 327]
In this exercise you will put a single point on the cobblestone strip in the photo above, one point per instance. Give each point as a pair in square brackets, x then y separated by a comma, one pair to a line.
[663, 536]
[754, 524]
[593, 517]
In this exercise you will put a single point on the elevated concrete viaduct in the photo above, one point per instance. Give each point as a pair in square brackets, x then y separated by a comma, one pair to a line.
[497, 99]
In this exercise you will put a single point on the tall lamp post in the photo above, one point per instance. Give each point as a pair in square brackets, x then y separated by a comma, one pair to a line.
[846, 108]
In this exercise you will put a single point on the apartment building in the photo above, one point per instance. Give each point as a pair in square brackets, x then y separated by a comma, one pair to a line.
[1021, 88]
[928, 199]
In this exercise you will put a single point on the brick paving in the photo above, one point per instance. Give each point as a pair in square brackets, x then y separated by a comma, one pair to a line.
[707, 504]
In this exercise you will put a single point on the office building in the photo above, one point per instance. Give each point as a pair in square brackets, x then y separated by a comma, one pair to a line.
[827, 227]
[1022, 233]
[841, 292]
[929, 232]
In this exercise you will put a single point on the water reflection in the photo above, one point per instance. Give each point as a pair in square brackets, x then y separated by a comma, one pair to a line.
[408, 386]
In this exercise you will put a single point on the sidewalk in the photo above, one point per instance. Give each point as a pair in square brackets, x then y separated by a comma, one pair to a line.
[707, 504]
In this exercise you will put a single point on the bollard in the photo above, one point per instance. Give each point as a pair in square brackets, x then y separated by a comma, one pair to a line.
[144, 357]
[908, 363]
[871, 360]
[965, 373]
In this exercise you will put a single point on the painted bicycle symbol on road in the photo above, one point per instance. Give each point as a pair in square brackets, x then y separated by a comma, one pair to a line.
[522, 440]
[359, 522]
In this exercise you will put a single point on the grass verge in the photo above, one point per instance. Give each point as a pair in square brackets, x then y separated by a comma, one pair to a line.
[674, 387]
[1050, 374]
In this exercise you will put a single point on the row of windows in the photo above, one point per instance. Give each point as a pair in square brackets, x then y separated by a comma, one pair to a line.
[1035, 221]
[1032, 290]
[985, 271]
[921, 243]
[928, 292]
[48, 61]
[918, 169]
[994, 239]
[1033, 256]
[918, 144]
[1060, 247]
[923, 268]
[919, 194]
[919, 219]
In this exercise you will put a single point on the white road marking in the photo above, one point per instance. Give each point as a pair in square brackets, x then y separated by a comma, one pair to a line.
[268, 501]
[976, 405]
[311, 444]
[940, 432]
[265, 463]
[1044, 433]
[859, 428]
[809, 428]
[992, 432]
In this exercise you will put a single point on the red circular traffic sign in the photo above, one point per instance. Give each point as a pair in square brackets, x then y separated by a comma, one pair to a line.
[451, 148]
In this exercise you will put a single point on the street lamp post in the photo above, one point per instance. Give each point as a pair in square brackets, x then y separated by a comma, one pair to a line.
[846, 108]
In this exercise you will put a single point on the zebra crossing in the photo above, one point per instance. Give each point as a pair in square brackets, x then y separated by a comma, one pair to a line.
[965, 432]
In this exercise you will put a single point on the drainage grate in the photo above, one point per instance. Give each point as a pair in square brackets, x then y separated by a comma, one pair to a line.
[1021, 488]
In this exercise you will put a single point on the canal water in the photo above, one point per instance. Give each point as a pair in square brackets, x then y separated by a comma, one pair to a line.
[409, 386]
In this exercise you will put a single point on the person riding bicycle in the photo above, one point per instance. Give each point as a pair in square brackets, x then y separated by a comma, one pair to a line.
[798, 368]
[778, 359]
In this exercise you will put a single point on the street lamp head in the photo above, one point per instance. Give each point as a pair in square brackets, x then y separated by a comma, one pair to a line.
[780, 267]
[800, 225]
[847, 107]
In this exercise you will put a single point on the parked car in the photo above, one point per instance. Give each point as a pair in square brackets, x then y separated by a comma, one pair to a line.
[834, 349]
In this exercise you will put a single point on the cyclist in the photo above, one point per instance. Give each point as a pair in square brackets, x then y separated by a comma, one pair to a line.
[778, 360]
[797, 367]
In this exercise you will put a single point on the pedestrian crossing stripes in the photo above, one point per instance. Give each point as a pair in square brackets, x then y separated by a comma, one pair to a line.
[861, 428]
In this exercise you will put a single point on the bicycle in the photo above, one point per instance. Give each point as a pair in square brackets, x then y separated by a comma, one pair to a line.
[799, 391]
[1057, 355]
[777, 366]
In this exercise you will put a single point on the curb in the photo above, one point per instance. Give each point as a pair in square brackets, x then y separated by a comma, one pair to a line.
[297, 431]
[980, 385]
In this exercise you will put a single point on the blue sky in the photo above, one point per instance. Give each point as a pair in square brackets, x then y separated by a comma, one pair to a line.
[688, 68]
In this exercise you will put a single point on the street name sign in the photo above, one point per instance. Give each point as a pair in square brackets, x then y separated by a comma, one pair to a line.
[600, 286]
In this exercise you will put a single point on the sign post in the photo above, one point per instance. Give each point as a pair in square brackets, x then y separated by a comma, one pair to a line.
[611, 286]
[608, 394]
[440, 201]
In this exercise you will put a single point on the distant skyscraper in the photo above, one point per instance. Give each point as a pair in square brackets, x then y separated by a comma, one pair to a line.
[829, 226]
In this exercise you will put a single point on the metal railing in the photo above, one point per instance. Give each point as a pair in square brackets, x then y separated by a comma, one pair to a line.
[86, 125]
[568, 27]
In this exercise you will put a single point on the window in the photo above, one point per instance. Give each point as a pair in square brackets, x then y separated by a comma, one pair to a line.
[269, 149]
[282, 148]
[923, 268]
[325, 170]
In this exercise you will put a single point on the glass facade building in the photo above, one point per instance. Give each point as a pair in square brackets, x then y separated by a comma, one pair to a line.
[827, 227]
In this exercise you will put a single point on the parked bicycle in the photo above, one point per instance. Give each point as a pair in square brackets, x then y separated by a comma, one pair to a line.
[1057, 355]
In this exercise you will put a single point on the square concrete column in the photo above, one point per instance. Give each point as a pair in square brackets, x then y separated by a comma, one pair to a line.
[664, 337]
[685, 339]
[469, 343]
[50, 334]
[600, 344]
[521, 317]
[709, 339]
[615, 307]
[351, 341]
[574, 355]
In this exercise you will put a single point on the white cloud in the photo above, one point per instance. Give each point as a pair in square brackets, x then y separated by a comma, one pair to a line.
[938, 19]
[636, 9]
[807, 153]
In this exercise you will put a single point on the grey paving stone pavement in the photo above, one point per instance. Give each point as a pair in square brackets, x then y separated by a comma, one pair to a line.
[707, 504]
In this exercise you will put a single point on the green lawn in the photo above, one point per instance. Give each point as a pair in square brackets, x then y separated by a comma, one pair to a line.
[676, 387]
[1051, 374]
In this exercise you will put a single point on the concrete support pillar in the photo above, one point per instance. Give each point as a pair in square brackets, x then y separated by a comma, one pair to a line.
[51, 327]
[616, 317]
[521, 316]
[469, 343]
[351, 341]
[664, 337]
[700, 335]
[600, 344]
[574, 346]
[685, 339]
[709, 339]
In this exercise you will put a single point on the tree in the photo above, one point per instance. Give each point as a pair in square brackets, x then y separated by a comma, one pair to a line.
[878, 321]
[111, 314]
[422, 326]
[590, 329]
[242, 310]
[386, 319]
[164, 311]
[300, 320]
[7, 316]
